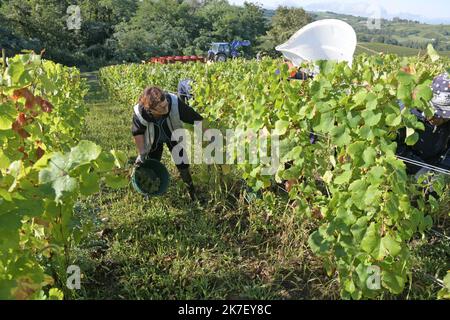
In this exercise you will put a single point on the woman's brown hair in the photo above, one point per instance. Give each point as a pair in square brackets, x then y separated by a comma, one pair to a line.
[151, 98]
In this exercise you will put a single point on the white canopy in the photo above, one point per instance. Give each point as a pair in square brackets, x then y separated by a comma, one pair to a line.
[328, 39]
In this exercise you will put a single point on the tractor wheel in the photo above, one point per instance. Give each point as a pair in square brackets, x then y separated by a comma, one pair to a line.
[221, 58]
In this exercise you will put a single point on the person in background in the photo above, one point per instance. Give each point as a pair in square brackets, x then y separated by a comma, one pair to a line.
[156, 115]
[302, 75]
[298, 73]
[184, 90]
[259, 56]
[433, 146]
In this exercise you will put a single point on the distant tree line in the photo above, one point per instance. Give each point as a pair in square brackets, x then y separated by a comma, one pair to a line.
[113, 31]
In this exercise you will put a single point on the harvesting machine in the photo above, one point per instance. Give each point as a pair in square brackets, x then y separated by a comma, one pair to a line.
[221, 51]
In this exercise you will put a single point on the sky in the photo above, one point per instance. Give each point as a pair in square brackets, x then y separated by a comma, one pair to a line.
[431, 11]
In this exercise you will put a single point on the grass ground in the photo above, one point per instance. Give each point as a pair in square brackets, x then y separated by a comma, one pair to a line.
[229, 248]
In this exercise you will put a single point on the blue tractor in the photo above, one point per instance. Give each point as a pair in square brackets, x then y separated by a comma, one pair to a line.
[221, 51]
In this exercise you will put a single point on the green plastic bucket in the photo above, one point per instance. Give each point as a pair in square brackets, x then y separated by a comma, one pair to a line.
[161, 172]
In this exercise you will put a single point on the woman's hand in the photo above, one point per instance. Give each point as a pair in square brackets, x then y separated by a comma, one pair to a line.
[139, 160]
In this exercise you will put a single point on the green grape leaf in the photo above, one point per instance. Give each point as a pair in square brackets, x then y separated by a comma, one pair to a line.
[360, 97]
[328, 176]
[366, 278]
[84, 153]
[343, 178]
[349, 285]
[5, 194]
[394, 282]
[15, 71]
[371, 243]
[281, 127]
[359, 228]
[393, 120]
[391, 245]
[55, 169]
[372, 196]
[105, 162]
[326, 122]
[404, 92]
[444, 293]
[4, 160]
[371, 119]
[356, 149]
[341, 136]
[317, 243]
[10, 223]
[369, 156]
[346, 216]
[423, 91]
[16, 169]
[375, 175]
[372, 101]
[120, 158]
[64, 185]
[6, 122]
[89, 183]
[56, 175]
[411, 137]
[405, 78]
[115, 181]
[358, 191]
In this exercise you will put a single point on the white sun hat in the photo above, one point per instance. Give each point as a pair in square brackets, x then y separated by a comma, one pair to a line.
[328, 39]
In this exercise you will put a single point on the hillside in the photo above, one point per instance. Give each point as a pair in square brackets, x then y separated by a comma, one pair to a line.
[367, 47]
[397, 32]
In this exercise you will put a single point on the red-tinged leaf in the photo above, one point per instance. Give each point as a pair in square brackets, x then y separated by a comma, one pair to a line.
[16, 126]
[29, 104]
[39, 153]
[23, 133]
[38, 100]
[21, 119]
[19, 93]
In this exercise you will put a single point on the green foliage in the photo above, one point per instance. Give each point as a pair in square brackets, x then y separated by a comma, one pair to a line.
[444, 293]
[43, 171]
[113, 31]
[173, 27]
[39, 24]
